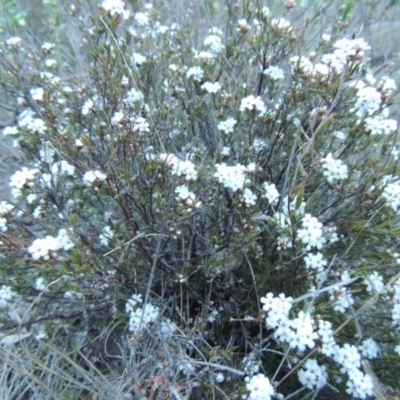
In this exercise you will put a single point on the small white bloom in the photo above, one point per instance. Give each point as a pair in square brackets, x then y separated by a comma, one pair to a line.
[228, 125]
[274, 73]
[211, 87]
[252, 103]
[92, 177]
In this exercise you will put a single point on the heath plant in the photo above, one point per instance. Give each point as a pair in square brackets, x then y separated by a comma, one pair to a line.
[203, 211]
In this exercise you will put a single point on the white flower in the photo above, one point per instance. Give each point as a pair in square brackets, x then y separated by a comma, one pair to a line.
[369, 348]
[249, 197]
[315, 261]
[87, 106]
[196, 73]
[281, 25]
[50, 63]
[23, 177]
[243, 25]
[5, 208]
[138, 59]
[274, 73]
[14, 42]
[312, 375]
[368, 101]
[391, 194]
[114, 7]
[39, 284]
[91, 177]
[304, 335]
[37, 94]
[62, 168]
[106, 235]
[40, 248]
[117, 118]
[259, 145]
[387, 85]
[351, 48]
[377, 125]
[252, 103]
[311, 234]
[225, 151]
[228, 125]
[179, 167]
[10, 130]
[334, 170]
[277, 309]
[27, 120]
[141, 125]
[64, 241]
[359, 385]
[141, 19]
[250, 364]
[233, 177]
[213, 43]
[140, 316]
[168, 327]
[342, 299]
[133, 96]
[211, 87]
[301, 65]
[271, 192]
[348, 357]
[259, 388]
[374, 282]
[6, 295]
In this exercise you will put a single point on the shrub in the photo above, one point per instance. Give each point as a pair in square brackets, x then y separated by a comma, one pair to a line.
[199, 216]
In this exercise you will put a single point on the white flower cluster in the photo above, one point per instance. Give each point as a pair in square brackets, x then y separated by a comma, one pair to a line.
[274, 73]
[312, 375]
[391, 193]
[232, 177]
[211, 87]
[178, 167]
[106, 235]
[93, 178]
[114, 8]
[259, 388]
[368, 101]
[334, 170]
[22, 179]
[196, 73]
[5, 209]
[252, 103]
[14, 42]
[213, 42]
[311, 234]
[57, 170]
[141, 125]
[29, 122]
[87, 106]
[117, 118]
[46, 247]
[271, 193]
[303, 332]
[228, 125]
[140, 316]
[380, 124]
[6, 296]
[281, 25]
[374, 283]
[186, 197]
[133, 97]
